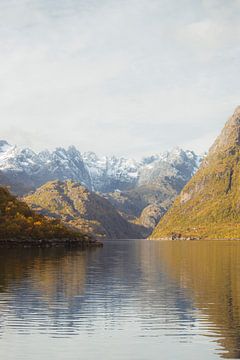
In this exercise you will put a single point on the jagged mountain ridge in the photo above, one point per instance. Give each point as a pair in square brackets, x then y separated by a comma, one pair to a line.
[141, 191]
[102, 174]
[111, 173]
[160, 181]
[208, 206]
[32, 169]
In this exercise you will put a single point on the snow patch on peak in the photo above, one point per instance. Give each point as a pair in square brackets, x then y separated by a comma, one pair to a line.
[4, 145]
[15, 159]
[72, 150]
[103, 174]
[45, 156]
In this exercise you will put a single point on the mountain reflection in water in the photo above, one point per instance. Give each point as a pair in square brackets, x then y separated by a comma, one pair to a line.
[130, 300]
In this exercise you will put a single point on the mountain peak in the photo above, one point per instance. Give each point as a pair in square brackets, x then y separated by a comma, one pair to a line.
[208, 206]
[230, 135]
[103, 174]
[73, 150]
[237, 111]
[4, 145]
[81, 210]
[3, 142]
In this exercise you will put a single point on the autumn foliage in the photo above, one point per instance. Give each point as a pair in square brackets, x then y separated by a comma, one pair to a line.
[18, 221]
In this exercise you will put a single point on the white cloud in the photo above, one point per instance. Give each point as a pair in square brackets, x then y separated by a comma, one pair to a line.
[117, 77]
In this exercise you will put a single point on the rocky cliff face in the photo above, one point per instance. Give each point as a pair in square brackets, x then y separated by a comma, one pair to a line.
[208, 206]
[111, 173]
[229, 137]
[63, 164]
[81, 209]
[161, 178]
[28, 170]
[149, 218]
[177, 166]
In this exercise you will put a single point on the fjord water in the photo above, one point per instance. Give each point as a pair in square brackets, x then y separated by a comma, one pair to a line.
[131, 300]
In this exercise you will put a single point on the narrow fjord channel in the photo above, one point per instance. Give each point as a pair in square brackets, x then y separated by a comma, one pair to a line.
[131, 300]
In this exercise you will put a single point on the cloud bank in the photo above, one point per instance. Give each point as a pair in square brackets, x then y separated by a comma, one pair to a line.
[118, 77]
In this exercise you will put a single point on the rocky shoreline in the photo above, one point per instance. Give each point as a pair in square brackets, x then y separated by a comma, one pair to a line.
[178, 239]
[177, 236]
[192, 238]
[69, 243]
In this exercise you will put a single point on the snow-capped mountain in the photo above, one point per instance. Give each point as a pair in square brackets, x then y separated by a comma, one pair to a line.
[14, 159]
[33, 170]
[160, 178]
[63, 164]
[111, 173]
[177, 164]
[102, 174]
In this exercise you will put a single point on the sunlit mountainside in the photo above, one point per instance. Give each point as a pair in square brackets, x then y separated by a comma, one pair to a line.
[208, 206]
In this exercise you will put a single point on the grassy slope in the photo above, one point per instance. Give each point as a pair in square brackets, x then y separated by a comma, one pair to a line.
[209, 205]
[17, 221]
[76, 206]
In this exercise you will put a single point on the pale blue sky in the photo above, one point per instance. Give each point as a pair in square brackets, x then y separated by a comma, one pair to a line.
[118, 77]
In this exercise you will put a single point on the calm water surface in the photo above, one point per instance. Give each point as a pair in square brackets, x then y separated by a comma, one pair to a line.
[131, 300]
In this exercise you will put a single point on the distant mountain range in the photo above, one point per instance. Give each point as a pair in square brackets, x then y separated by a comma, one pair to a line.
[101, 174]
[141, 191]
[125, 198]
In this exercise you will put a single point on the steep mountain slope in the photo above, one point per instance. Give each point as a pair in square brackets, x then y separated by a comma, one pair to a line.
[25, 170]
[18, 222]
[176, 166]
[18, 167]
[130, 185]
[62, 165]
[209, 205]
[149, 218]
[111, 173]
[160, 181]
[82, 209]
